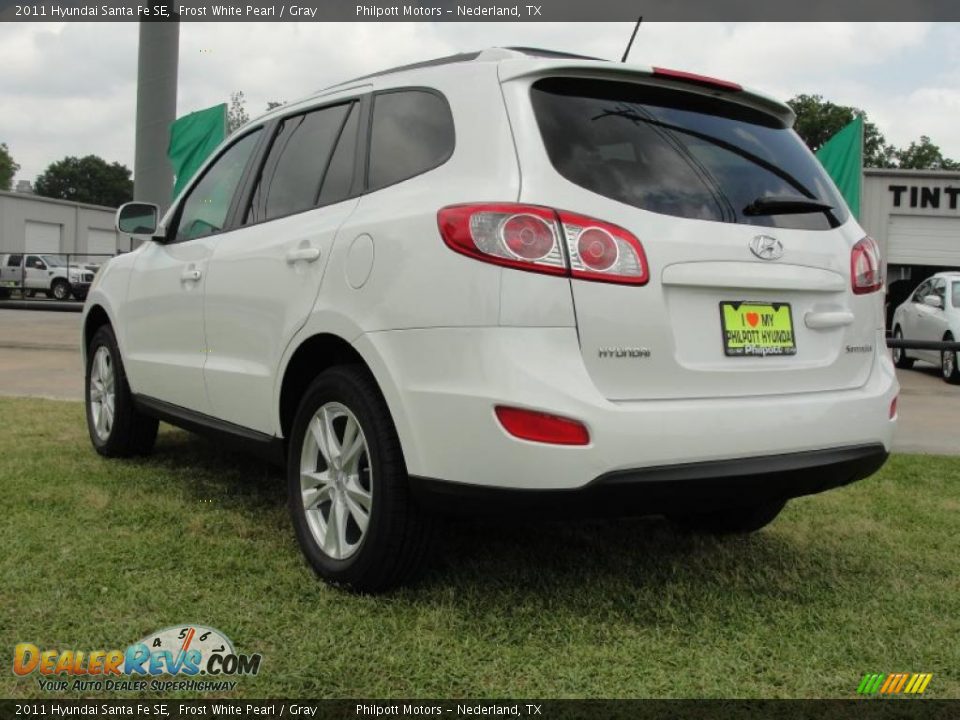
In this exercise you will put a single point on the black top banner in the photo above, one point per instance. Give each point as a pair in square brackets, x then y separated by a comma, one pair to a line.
[479, 10]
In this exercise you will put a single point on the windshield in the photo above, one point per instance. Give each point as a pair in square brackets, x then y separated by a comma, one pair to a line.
[55, 260]
[680, 154]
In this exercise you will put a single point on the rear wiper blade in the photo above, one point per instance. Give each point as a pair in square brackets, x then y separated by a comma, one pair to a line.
[785, 205]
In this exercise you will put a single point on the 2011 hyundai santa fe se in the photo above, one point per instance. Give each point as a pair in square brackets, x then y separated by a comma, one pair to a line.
[505, 279]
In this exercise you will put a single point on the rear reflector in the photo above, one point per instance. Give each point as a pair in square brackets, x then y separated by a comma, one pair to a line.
[544, 240]
[542, 427]
[694, 79]
[893, 407]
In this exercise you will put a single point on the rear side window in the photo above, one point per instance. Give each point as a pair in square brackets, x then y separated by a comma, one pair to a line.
[14, 260]
[294, 172]
[678, 153]
[956, 294]
[411, 132]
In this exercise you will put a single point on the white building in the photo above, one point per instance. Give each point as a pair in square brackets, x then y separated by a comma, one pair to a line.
[33, 224]
[915, 216]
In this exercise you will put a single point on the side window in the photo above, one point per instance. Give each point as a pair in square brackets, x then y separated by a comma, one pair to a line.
[955, 294]
[36, 263]
[338, 181]
[204, 210]
[14, 261]
[921, 291]
[293, 175]
[940, 290]
[412, 132]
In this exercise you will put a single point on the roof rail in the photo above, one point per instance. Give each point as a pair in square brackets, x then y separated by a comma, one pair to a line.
[488, 54]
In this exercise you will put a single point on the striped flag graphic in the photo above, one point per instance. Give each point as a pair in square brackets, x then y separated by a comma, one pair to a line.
[894, 683]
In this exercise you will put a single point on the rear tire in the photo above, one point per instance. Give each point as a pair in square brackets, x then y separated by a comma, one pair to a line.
[348, 491]
[949, 363]
[734, 521]
[900, 358]
[116, 427]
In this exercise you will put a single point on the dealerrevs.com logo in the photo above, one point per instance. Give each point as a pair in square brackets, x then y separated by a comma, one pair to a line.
[183, 652]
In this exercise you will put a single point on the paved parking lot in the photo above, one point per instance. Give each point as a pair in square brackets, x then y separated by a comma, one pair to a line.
[40, 356]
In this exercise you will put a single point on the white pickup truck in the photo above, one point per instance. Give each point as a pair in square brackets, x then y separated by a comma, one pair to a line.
[49, 274]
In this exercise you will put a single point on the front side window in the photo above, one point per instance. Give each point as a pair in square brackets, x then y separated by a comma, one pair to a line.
[681, 154]
[940, 290]
[411, 133]
[36, 263]
[922, 291]
[204, 210]
[293, 176]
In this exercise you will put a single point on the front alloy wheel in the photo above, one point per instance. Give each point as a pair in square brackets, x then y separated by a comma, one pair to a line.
[102, 393]
[336, 481]
[117, 428]
[61, 290]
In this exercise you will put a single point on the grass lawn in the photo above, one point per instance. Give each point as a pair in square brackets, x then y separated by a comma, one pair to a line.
[97, 553]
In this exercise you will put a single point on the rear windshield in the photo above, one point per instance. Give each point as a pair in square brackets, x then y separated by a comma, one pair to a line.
[679, 153]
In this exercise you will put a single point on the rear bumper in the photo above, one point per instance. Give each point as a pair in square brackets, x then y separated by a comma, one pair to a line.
[671, 488]
[442, 385]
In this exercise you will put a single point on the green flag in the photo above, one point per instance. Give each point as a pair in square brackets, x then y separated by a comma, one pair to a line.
[192, 138]
[842, 158]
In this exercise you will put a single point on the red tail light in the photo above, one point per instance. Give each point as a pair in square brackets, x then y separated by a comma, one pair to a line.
[542, 427]
[866, 269]
[544, 240]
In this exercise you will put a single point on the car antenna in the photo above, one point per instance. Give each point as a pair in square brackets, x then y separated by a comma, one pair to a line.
[630, 44]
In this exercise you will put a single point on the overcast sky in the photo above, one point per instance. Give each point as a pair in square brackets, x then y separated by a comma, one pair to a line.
[69, 89]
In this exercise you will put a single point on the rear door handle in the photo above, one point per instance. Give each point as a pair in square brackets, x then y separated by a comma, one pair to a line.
[307, 254]
[191, 275]
[829, 319]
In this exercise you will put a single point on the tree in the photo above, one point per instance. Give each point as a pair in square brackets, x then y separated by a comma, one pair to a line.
[925, 156]
[8, 168]
[237, 112]
[818, 120]
[90, 179]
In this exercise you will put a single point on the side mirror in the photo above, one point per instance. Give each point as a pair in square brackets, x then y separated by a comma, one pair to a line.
[933, 301]
[137, 218]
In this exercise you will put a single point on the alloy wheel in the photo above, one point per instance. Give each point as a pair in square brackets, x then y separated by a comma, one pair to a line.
[336, 480]
[948, 363]
[102, 393]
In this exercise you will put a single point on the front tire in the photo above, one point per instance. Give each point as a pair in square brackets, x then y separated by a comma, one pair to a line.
[734, 521]
[348, 490]
[900, 358]
[948, 364]
[60, 290]
[116, 427]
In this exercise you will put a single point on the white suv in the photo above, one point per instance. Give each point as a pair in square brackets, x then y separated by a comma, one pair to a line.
[508, 279]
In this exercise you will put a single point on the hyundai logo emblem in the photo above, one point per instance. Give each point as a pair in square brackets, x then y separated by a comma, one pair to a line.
[766, 247]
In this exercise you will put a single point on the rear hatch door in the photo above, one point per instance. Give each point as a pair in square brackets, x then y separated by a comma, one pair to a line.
[747, 240]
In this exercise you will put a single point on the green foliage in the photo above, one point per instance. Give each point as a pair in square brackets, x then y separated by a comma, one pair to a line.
[89, 179]
[818, 120]
[8, 168]
[925, 156]
[237, 113]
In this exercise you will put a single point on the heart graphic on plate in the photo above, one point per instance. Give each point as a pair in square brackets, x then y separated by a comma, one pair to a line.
[753, 318]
